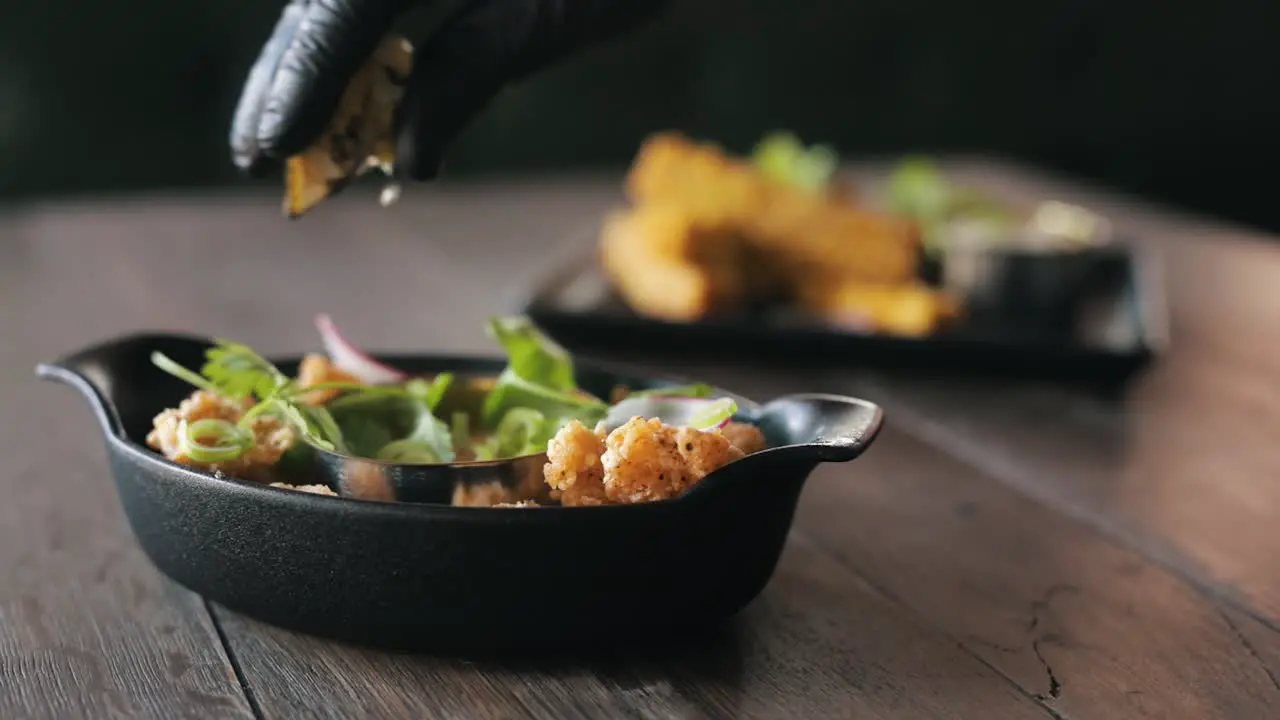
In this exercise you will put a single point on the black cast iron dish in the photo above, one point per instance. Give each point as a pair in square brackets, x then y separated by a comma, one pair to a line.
[457, 579]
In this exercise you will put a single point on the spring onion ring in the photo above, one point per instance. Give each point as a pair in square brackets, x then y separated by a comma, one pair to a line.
[229, 441]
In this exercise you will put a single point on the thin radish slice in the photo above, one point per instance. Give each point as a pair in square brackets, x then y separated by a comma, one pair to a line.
[352, 359]
[698, 413]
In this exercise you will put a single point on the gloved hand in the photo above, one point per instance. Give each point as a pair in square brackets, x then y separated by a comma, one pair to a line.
[293, 89]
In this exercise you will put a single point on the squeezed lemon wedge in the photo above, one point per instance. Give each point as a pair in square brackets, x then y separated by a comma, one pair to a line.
[361, 135]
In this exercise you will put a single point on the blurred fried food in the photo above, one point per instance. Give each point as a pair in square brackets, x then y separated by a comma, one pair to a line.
[708, 232]
[676, 266]
[908, 309]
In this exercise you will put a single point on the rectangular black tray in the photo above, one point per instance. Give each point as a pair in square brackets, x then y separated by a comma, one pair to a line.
[1123, 330]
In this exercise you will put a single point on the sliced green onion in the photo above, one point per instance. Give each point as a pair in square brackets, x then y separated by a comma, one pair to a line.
[714, 414]
[460, 430]
[521, 432]
[167, 364]
[486, 450]
[432, 392]
[229, 441]
[698, 390]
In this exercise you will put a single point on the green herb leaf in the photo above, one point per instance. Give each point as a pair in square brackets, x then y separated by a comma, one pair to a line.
[429, 441]
[524, 431]
[234, 370]
[432, 392]
[531, 354]
[697, 390]
[512, 392]
[782, 157]
[237, 371]
[397, 426]
[539, 375]
[918, 190]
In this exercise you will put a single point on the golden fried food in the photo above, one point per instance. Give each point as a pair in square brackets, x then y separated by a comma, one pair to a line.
[744, 436]
[271, 438]
[574, 470]
[317, 369]
[909, 310]
[800, 231]
[667, 264]
[814, 236]
[360, 135]
[646, 460]
[674, 171]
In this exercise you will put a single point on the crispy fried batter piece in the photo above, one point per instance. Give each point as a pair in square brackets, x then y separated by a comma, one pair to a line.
[646, 460]
[801, 233]
[744, 436]
[671, 264]
[313, 489]
[574, 471]
[641, 461]
[317, 369]
[272, 438]
[909, 309]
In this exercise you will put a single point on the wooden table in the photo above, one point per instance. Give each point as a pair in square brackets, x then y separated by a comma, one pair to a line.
[1004, 550]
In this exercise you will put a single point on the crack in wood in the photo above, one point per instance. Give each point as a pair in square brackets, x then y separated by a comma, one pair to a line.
[1249, 648]
[1038, 608]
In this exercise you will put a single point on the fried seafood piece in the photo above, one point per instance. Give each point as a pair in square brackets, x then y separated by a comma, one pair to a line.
[744, 436]
[647, 460]
[670, 169]
[668, 264]
[317, 369]
[574, 470]
[272, 438]
[909, 310]
[313, 489]
[799, 232]
[811, 236]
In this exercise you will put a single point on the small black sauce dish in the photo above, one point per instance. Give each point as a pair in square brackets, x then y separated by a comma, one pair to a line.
[458, 580]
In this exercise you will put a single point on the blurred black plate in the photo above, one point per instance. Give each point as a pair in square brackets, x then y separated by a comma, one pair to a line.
[1121, 327]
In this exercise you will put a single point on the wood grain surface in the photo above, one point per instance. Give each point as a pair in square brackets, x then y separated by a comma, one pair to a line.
[1005, 550]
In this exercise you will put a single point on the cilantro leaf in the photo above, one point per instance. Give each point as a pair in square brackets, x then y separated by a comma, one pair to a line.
[237, 371]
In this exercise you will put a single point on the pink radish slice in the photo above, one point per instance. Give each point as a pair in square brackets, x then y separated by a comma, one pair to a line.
[352, 359]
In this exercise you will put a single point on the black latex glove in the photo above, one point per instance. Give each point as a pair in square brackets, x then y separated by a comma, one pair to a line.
[294, 87]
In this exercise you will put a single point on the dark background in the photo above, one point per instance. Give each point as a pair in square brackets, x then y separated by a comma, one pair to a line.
[1175, 101]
